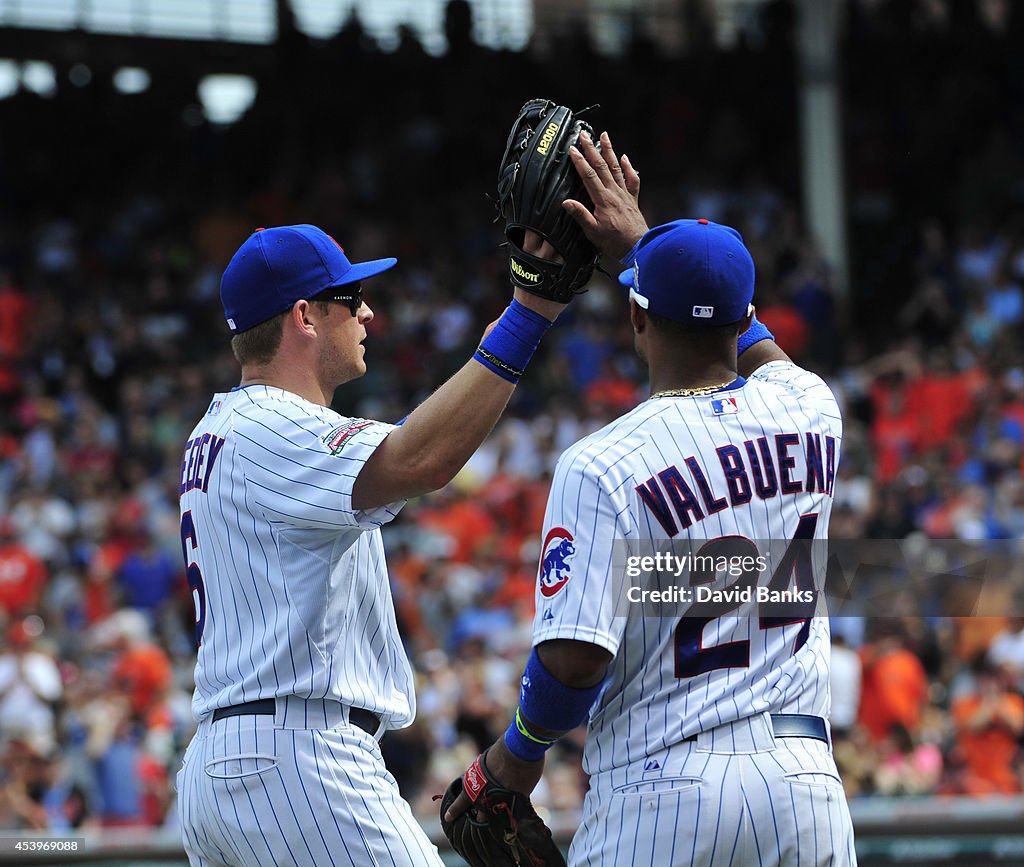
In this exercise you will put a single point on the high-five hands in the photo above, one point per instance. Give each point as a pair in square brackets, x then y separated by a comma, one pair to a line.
[616, 223]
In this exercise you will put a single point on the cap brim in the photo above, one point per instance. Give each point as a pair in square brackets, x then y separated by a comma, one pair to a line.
[363, 270]
[626, 277]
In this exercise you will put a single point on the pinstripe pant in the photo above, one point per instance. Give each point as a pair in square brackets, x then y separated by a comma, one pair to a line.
[734, 797]
[300, 788]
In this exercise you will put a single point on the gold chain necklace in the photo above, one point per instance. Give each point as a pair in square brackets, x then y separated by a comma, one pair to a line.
[691, 392]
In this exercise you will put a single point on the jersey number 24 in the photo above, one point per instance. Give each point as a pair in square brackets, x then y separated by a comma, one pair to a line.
[692, 657]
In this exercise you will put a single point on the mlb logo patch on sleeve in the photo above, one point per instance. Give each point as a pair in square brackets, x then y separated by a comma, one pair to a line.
[724, 406]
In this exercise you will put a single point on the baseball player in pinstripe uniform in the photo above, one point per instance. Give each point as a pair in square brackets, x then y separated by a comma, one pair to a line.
[707, 740]
[300, 666]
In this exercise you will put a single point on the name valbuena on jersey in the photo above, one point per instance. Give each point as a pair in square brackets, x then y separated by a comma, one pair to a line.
[748, 465]
[288, 580]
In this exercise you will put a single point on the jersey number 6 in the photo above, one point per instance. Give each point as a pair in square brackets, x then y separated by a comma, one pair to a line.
[692, 657]
[193, 572]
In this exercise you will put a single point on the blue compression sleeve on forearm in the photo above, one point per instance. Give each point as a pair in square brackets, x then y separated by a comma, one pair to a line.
[513, 340]
[523, 743]
[754, 334]
[546, 702]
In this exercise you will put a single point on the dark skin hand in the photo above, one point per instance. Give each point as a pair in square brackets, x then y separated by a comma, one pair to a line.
[613, 185]
[574, 663]
[616, 223]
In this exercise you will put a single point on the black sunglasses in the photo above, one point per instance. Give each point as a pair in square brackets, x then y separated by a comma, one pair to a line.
[350, 295]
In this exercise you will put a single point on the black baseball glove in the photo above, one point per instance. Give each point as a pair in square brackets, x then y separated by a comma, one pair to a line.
[536, 175]
[501, 829]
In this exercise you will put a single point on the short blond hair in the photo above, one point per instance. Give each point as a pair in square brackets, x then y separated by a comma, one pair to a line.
[259, 344]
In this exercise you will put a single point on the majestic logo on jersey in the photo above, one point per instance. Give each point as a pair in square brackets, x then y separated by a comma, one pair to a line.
[724, 406]
[554, 563]
[337, 438]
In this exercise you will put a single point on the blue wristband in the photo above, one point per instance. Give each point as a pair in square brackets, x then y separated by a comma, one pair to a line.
[548, 703]
[523, 743]
[513, 340]
[754, 334]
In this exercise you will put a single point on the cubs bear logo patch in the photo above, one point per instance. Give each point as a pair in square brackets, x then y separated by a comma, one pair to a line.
[558, 550]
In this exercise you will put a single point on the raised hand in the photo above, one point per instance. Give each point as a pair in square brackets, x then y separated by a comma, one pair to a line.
[616, 223]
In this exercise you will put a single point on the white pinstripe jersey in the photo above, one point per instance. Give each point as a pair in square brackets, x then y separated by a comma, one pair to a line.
[757, 461]
[289, 582]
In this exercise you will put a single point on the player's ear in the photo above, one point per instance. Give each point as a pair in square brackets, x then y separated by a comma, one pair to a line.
[637, 317]
[746, 320]
[301, 319]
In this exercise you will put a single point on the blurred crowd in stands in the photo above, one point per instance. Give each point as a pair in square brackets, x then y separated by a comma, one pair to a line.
[118, 213]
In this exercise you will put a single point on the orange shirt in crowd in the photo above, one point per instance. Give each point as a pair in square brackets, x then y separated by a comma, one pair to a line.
[617, 393]
[988, 752]
[466, 522]
[894, 691]
[973, 636]
[144, 672]
[789, 328]
[22, 576]
[938, 403]
[893, 439]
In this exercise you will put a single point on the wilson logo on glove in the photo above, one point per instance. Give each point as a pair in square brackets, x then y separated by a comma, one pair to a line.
[520, 271]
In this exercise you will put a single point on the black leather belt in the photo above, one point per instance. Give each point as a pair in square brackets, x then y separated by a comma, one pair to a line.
[368, 721]
[793, 725]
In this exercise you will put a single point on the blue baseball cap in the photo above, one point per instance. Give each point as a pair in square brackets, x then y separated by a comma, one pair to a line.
[692, 271]
[276, 267]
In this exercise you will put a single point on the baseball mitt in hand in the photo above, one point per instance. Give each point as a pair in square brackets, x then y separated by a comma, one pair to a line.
[536, 175]
[501, 829]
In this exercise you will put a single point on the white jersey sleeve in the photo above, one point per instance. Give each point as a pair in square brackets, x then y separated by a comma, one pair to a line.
[806, 387]
[574, 596]
[301, 469]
